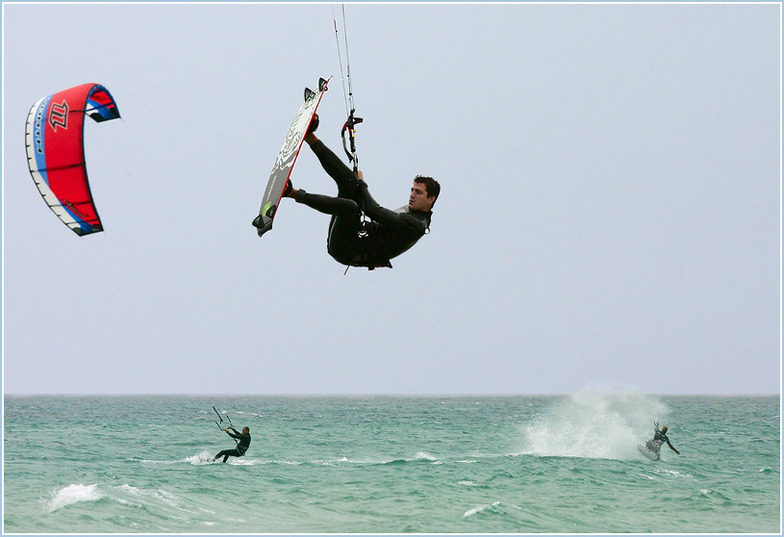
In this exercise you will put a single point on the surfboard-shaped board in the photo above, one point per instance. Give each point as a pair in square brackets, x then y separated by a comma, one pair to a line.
[651, 453]
[287, 157]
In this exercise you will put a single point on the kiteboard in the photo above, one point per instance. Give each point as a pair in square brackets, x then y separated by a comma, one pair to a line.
[287, 157]
[650, 451]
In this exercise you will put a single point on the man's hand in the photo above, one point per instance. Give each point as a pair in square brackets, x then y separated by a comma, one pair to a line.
[360, 176]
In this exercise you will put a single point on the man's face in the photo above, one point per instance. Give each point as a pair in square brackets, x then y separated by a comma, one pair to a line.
[419, 201]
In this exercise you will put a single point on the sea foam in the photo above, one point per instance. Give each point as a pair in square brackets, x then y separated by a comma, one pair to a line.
[596, 424]
[480, 508]
[73, 494]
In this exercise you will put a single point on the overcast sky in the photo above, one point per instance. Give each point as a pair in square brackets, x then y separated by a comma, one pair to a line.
[609, 216]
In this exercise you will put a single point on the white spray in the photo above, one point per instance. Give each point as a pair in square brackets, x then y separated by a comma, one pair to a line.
[599, 424]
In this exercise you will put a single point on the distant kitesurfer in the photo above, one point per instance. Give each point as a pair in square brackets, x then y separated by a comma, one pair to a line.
[659, 438]
[352, 241]
[242, 446]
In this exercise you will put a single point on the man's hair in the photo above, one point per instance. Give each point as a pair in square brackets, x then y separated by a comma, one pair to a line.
[431, 186]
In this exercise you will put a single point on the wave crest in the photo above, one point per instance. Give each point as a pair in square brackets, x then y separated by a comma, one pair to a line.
[73, 494]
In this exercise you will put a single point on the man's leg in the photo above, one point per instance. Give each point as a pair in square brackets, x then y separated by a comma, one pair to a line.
[327, 204]
[345, 178]
[343, 227]
[225, 454]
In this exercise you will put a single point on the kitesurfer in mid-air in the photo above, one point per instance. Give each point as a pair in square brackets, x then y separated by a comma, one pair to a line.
[659, 438]
[361, 243]
[242, 445]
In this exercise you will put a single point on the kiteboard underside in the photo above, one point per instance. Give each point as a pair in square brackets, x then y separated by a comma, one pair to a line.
[287, 157]
[652, 454]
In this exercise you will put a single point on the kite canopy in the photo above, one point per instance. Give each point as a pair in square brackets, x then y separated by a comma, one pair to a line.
[54, 137]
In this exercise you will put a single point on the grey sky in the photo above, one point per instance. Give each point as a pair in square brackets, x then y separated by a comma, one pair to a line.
[610, 212]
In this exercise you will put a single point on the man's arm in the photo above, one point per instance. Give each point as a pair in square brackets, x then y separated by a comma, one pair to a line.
[392, 219]
[672, 447]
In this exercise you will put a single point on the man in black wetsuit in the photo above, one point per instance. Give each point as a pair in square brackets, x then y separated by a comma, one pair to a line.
[242, 446]
[659, 438]
[352, 241]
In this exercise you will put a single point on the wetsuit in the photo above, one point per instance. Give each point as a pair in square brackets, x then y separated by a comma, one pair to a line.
[659, 438]
[239, 451]
[351, 241]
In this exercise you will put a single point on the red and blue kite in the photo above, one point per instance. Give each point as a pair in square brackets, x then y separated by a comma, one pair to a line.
[55, 152]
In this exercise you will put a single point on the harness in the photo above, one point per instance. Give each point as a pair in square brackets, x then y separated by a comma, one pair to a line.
[366, 257]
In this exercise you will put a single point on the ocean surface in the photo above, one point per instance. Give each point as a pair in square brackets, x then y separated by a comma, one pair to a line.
[544, 464]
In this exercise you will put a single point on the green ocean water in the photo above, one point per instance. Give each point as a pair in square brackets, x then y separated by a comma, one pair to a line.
[544, 464]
